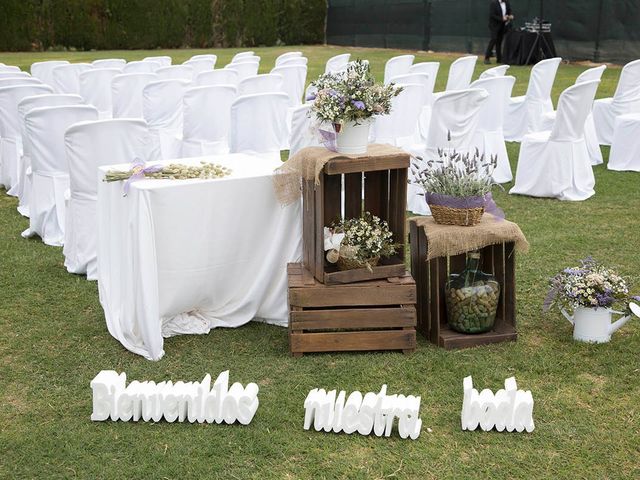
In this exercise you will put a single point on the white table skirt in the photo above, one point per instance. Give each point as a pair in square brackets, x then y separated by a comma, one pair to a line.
[185, 256]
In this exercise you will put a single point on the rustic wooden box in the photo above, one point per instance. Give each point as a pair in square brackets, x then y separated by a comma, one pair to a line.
[371, 315]
[383, 179]
[431, 277]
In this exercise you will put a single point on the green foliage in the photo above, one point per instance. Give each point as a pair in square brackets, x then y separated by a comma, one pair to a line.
[134, 24]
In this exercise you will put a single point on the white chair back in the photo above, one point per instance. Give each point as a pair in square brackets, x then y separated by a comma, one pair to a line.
[303, 132]
[456, 114]
[240, 55]
[163, 60]
[399, 65]
[141, 67]
[200, 65]
[95, 88]
[541, 80]
[431, 69]
[337, 63]
[67, 77]
[574, 106]
[628, 89]
[118, 63]
[207, 115]
[162, 103]
[9, 74]
[400, 127]
[287, 56]
[10, 97]
[293, 61]
[9, 68]
[44, 70]
[224, 76]
[126, 93]
[267, 82]
[460, 73]
[205, 56]
[45, 128]
[492, 112]
[244, 69]
[594, 73]
[497, 71]
[9, 81]
[294, 78]
[258, 123]
[179, 72]
[416, 78]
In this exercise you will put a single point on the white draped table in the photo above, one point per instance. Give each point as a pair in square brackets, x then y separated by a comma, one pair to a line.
[186, 256]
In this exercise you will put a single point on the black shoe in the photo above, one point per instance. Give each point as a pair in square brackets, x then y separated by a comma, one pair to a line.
[487, 61]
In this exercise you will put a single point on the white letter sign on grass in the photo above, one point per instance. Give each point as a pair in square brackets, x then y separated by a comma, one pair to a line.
[193, 401]
[375, 412]
[509, 409]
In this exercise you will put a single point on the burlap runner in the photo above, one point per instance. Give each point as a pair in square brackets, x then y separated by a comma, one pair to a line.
[308, 163]
[448, 240]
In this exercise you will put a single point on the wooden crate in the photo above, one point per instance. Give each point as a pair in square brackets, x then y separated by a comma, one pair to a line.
[431, 277]
[371, 315]
[384, 182]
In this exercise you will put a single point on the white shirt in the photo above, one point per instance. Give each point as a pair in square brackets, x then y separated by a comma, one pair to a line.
[503, 5]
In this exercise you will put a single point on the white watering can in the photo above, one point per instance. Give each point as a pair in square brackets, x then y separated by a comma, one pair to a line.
[594, 324]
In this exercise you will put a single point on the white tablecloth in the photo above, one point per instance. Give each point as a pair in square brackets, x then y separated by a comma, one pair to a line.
[185, 256]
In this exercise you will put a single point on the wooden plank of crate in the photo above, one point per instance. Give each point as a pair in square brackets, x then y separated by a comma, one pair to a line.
[353, 195]
[377, 293]
[486, 259]
[499, 272]
[353, 341]
[420, 272]
[318, 226]
[435, 315]
[384, 195]
[293, 330]
[366, 164]
[510, 283]
[308, 228]
[363, 274]
[373, 194]
[352, 318]
[332, 199]
[451, 339]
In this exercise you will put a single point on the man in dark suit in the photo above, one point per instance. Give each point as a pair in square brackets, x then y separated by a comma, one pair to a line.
[499, 16]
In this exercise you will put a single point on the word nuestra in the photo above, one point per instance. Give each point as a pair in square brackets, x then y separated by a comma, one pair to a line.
[509, 409]
[372, 412]
[192, 401]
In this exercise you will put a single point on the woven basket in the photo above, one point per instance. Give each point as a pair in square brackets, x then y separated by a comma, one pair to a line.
[464, 217]
[352, 264]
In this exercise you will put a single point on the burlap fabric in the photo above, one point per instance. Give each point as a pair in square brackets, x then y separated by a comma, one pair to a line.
[449, 240]
[307, 165]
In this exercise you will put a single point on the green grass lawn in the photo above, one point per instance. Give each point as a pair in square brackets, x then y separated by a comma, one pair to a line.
[54, 340]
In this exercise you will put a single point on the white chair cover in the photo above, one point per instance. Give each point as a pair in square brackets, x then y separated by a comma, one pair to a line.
[162, 109]
[141, 67]
[126, 93]
[11, 131]
[23, 186]
[45, 129]
[163, 60]
[399, 65]
[16, 75]
[294, 78]
[205, 56]
[460, 73]
[287, 56]
[497, 71]
[224, 76]
[258, 124]
[294, 61]
[245, 59]
[11, 81]
[427, 100]
[303, 131]
[489, 136]
[67, 77]
[90, 145]
[524, 114]
[455, 113]
[44, 70]
[201, 65]
[337, 63]
[95, 88]
[625, 148]
[431, 69]
[9, 68]
[400, 127]
[180, 72]
[244, 69]
[590, 134]
[207, 115]
[266, 82]
[556, 164]
[241, 55]
[626, 99]
[118, 63]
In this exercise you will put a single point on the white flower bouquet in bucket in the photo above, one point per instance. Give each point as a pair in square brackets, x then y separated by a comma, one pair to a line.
[348, 101]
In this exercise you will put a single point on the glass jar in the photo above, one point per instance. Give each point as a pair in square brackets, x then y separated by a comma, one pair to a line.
[472, 298]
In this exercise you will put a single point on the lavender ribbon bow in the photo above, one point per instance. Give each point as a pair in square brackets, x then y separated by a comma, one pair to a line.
[138, 171]
[328, 138]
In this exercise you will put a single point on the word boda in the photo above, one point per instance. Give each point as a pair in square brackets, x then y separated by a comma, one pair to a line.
[509, 409]
[193, 401]
[372, 412]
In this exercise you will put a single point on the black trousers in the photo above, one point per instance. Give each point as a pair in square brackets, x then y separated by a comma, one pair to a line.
[496, 41]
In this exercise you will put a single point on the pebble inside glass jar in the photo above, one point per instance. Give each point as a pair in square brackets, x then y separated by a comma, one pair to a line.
[472, 298]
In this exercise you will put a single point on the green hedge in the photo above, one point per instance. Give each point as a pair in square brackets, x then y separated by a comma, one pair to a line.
[144, 24]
